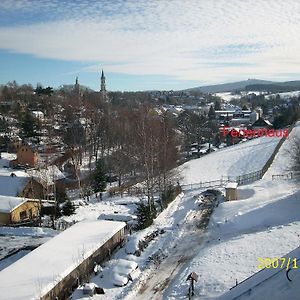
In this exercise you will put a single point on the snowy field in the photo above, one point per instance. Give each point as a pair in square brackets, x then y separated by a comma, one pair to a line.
[236, 160]
[227, 96]
[109, 205]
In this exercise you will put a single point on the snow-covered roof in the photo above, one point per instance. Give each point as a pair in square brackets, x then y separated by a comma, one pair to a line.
[47, 176]
[36, 273]
[8, 204]
[12, 185]
[231, 185]
[117, 217]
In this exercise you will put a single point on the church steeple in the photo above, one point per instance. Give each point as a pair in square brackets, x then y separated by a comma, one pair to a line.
[77, 87]
[103, 84]
[103, 93]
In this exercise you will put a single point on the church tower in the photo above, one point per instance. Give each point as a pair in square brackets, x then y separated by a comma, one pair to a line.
[77, 87]
[103, 87]
[103, 84]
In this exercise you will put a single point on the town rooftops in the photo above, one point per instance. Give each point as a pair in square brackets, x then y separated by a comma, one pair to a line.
[39, 271]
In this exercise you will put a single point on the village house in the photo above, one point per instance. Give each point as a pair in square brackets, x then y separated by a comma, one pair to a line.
[232, 135]
[261, 123]
[36, 184]
[26, 156]
[16, 209]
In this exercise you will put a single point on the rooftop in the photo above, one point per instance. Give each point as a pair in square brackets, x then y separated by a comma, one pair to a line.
[8, 204]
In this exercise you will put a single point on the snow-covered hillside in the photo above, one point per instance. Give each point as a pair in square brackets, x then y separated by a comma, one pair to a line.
[236, 160]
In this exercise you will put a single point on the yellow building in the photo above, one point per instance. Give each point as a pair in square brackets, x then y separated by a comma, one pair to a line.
[17, 209]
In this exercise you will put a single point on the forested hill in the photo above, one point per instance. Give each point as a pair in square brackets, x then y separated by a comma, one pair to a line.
[279, 87]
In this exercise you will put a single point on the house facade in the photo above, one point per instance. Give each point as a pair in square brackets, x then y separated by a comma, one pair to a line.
[15, 210]
[26, 156]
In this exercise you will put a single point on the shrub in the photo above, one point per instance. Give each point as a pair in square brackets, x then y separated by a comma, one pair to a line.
[68, 208]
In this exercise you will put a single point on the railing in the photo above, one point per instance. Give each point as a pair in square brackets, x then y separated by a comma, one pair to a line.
[241, 179]
[286, 176]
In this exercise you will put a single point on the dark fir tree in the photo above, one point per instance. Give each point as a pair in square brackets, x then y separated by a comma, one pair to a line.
[68, 208]
[145, 215]
[99, 180]
[29, 125]
[211, 113]
[217, 105]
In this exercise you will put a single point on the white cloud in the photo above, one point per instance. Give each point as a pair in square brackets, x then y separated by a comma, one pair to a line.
[206, 40]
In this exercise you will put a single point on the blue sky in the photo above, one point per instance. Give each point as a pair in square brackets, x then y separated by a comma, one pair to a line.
[143, 45]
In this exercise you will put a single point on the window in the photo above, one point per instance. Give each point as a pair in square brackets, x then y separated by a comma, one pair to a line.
[23, 215]
[30, 213]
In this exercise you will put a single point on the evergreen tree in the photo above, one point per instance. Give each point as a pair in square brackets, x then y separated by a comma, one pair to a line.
[145, 215]
[61, 195]
[29, 125]
[99, 180]
[217, 105]
[68, 208]
[211, 113]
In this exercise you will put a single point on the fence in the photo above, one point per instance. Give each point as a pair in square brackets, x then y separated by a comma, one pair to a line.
[241, 179]
[286, 176]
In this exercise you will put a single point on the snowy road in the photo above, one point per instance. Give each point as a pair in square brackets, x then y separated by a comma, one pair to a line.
[156, 286]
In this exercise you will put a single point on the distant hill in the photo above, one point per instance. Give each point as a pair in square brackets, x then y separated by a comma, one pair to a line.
[251, 85]
[278, 87]
[229, 87]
